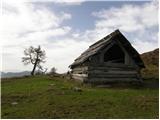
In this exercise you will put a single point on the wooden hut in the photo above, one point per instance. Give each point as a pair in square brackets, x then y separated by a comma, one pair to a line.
[111, 59]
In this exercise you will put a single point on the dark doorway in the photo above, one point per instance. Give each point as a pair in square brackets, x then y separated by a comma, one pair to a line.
[114, 55]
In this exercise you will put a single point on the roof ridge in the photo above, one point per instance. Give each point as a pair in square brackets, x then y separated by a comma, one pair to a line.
[106, 37]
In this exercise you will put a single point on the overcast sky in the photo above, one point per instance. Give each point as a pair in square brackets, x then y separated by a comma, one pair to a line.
[65, 29]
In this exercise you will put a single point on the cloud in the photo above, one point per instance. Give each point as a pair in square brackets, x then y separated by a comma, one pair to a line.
[138, 22]
[27, 23]
[27, 17]
[24, 22]
[142, 46]
[129, 18]
[63, 52]
[60, 54]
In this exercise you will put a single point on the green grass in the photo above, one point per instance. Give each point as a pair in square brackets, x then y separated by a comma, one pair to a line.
[54, 97]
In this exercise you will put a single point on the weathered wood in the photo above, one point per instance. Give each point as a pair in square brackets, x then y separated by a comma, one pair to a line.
[103, 44]
[122, 72]
[105, 80]
[77, 72]
[119, 64]
[111, 72]
[78, 78]
[110, 68]
[80, 75]
[80, 68]
[80, 72]
[113, 75]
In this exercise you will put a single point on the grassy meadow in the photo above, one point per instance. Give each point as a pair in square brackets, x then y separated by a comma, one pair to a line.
[56, 97]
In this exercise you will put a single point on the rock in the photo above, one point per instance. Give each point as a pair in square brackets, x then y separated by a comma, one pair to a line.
[14, 103]
[52, 84]
[77, 89]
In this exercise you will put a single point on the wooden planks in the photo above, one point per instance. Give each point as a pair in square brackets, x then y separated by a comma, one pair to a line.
[105, 80]
[111, 68]
[80, 70]
[112, 72]
[113, 75]
[102, 74]
[118, 65]
[81, 77]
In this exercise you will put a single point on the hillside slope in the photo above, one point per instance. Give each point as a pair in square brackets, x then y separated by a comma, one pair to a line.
[56, 97]
[151, 58]
[151, 61]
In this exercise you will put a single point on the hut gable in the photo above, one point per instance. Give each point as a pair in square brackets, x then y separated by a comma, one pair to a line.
[114, 37]
[110, 59]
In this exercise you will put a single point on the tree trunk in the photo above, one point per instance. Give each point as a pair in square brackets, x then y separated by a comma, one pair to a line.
[32, 73]
[35, 65]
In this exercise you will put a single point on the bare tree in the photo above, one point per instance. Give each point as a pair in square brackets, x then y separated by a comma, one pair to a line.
[45, 70]
[34, 56]
[53, 70]
[41, 71]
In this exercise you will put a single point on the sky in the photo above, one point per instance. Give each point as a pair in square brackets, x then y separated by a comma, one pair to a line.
[64, 29]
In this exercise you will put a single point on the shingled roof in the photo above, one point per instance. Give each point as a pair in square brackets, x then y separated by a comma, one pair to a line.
[99, 45]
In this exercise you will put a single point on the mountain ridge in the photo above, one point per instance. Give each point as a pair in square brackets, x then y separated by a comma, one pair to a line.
[14, 74]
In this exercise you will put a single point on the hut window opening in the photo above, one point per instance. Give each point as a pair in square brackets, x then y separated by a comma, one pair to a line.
[114, 55]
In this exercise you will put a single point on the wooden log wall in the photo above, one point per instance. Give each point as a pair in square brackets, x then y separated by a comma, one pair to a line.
[103, 74]
[80, 73]
[106, 73]
[80, 77]
[80, 70]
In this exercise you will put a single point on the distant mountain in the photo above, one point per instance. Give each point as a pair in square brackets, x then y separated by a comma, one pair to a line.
[151, 58]
[14, 74]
